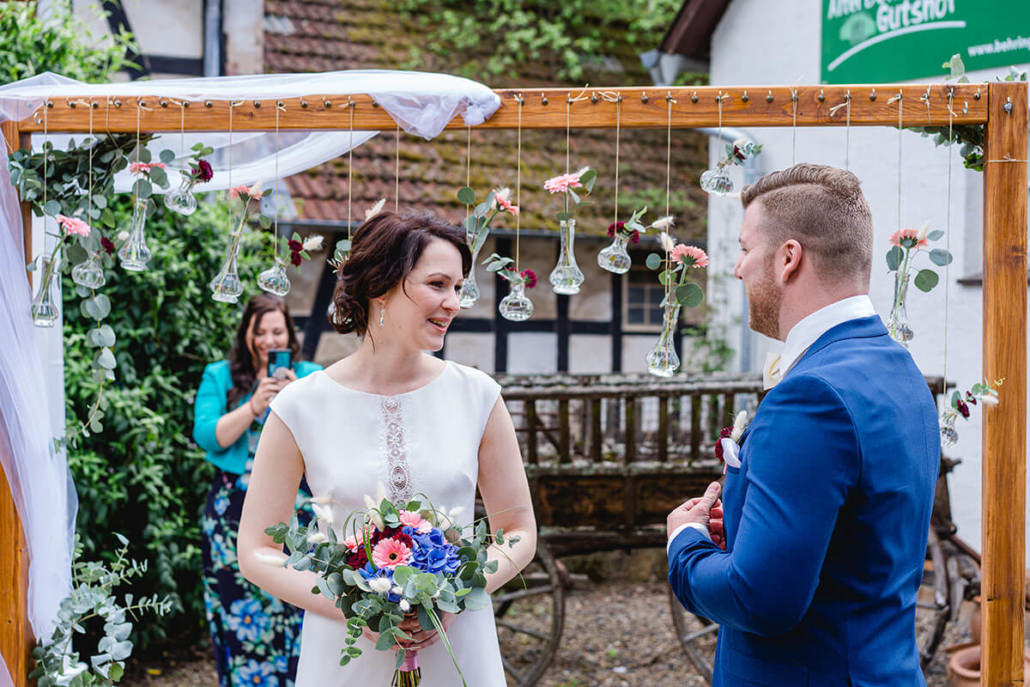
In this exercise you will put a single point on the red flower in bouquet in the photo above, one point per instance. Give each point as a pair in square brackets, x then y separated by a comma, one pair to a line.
[614, 227]
[529, 277]
[724, 433]
[202, 171]
[107, 244]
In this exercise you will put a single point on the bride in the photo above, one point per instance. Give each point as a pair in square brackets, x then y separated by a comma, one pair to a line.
[390, 414]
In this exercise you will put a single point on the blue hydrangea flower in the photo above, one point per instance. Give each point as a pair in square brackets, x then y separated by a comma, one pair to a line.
[257, 674]
[432, 552]
[370, 573]
[247, 619]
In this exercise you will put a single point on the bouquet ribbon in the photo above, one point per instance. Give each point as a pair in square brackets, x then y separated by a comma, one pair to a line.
[409, 674]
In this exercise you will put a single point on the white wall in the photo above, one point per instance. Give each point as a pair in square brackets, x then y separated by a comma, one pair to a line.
[765, 43]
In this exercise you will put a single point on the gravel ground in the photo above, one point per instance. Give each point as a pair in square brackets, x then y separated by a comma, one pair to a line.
[616, 635]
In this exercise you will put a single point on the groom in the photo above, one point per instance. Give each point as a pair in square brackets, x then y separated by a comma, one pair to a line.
[827, 505]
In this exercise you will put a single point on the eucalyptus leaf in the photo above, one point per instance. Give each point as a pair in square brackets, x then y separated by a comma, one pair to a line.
[52, 208]
[466, 196]
[106, 359]
[142, 188]
[894, 258]
[99, 201]
[166, 156]
[653, 261]
[939, 256]
[103, 305]
[935, 235]
[689, 295]
[926, 280]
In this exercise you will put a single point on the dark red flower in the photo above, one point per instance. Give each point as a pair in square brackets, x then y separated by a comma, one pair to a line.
[738, 153]
[202, 171]
[614, 227]
[295, 259]
[970, 398]
[108, 244]
[961, 406]
[296, 246]
[635, 237]
[529, 277]
[724, 433]
[358, 559]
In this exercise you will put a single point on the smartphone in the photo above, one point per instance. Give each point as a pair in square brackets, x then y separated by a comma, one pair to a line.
[279, 359]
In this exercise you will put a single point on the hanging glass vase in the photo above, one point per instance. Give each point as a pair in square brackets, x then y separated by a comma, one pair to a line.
[469, 288]
[274, 279]
[182, 200]
[516, 306]
[716, 181]
[662, 360]
[615, 258]
[897, 324]
[134, 254]
[949, 436]
[89, 273]
[226, 287]
[565, 277]
[45, 304]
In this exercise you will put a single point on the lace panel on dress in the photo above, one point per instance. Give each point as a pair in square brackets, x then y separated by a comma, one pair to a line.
[395, 450]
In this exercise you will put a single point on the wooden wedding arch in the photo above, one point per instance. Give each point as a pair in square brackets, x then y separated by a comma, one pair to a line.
[1000, 107]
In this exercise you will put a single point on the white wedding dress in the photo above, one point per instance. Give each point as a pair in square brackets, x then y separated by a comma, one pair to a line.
[426, 442]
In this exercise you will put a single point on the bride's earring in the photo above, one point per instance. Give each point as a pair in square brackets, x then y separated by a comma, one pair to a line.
[382, 312]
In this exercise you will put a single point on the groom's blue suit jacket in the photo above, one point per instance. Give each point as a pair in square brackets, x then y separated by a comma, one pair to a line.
[826, 523]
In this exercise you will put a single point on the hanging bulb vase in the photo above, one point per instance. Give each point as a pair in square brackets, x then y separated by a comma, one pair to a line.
[469, 288]
[897, 324]
[615, 258]
[182, 200]
[44, 305]
[226, 287]
[516, 306]
[89, 273]
[716, 181]
[274, 279]
[134, 254]
[566, 277]
[662, 360]
[949, 436]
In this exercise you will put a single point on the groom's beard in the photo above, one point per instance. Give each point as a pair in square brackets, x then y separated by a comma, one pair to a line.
[764, 298]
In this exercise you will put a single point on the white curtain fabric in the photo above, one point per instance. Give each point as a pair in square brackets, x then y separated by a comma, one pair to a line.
[37, 473]
[421, 103]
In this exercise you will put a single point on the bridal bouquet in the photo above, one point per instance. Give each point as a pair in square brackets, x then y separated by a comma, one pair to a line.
[395, 561]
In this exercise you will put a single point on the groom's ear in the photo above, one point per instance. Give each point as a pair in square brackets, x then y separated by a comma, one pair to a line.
[788, 260]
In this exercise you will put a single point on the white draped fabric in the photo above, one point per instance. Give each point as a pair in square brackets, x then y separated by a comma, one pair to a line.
[422, 104]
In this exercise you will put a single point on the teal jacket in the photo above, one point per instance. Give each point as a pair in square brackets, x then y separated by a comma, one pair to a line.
[209, 407]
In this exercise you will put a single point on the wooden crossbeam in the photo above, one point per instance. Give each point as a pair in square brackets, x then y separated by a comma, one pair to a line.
[549, 108]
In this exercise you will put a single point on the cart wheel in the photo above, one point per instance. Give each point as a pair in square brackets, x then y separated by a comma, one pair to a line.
[530, 618]
[697, 636]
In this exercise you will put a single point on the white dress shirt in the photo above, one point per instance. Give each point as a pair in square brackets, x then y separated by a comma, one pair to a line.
[799, 339]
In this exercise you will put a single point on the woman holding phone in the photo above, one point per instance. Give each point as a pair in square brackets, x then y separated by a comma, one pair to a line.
[256, 637]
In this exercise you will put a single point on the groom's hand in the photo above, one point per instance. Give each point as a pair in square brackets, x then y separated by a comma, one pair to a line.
[706, 510]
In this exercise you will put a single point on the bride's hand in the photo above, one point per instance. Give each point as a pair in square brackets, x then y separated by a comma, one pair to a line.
[420, 639]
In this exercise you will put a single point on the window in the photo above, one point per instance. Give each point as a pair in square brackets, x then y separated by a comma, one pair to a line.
[642, 298]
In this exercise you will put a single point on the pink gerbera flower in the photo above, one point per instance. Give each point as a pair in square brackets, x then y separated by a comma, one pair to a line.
[354, 542]
[410, 518]
[389, 553]
[690, 256]
[504, 205]
[564, 182]
[73, 225]
[909, 238]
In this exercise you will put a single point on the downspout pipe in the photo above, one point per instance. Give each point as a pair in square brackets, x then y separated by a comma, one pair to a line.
[752, 172]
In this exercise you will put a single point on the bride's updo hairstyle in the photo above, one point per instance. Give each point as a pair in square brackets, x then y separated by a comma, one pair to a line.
[384, 250]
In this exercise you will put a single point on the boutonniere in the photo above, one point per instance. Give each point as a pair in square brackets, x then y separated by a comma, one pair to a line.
[726, 448]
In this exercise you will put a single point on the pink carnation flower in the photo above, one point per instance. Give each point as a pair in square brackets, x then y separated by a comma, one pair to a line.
[412, 519]
[354, 542]
[563, 182]
[690, 256]
[909, 238]
[389, 553]
[504, 205]
[144, 167]
[73, 225]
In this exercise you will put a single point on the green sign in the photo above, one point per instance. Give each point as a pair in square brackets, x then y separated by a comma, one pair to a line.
[876, 41]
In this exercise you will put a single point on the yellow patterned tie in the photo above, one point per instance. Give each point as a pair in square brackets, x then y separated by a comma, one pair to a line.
[771, 373]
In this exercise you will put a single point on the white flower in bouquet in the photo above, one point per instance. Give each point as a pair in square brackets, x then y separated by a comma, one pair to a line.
[404, 606]
[380, 585]
[323, 513]
[316, 538]
[739, 423]
[668, 243]
[663, 224]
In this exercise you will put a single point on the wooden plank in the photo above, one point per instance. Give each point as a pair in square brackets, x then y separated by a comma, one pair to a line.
[564, 433]
[630, 454]
[596, 435]
[532, 422]
[695, 426]
[693, 107]
[663, 429]
[16, 640]
[1004, 346]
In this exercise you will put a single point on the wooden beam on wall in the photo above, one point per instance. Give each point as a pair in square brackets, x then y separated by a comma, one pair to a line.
[16, 640]
[1004, 356]
[923, 105]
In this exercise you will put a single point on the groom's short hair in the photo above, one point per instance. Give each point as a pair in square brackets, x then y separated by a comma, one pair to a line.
[823, 209]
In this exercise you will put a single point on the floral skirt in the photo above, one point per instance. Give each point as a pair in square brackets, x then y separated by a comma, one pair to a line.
[256, 637]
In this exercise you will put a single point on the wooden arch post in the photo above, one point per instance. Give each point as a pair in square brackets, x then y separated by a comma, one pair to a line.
[1004, 355]
[1001, 107]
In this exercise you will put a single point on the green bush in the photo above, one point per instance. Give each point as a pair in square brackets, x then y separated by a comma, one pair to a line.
[143, 476]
